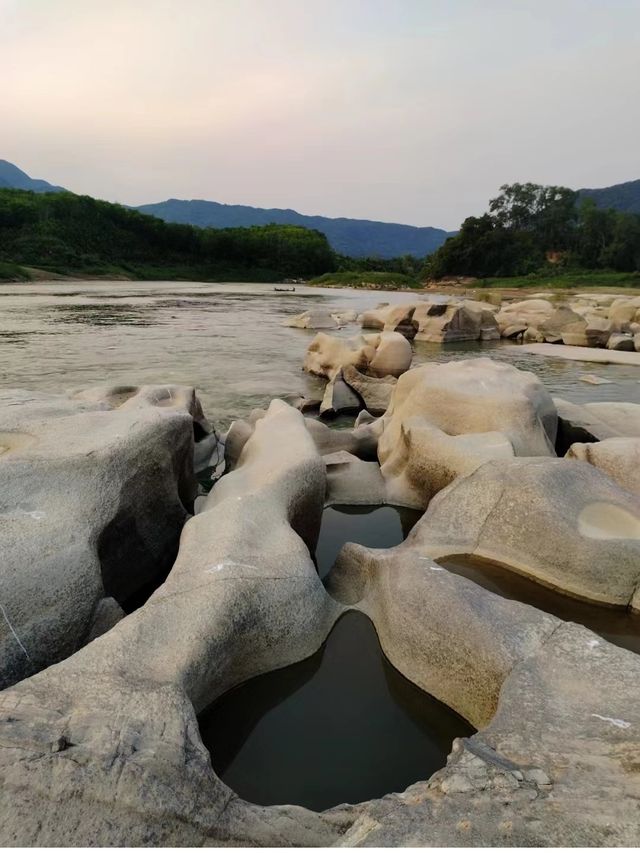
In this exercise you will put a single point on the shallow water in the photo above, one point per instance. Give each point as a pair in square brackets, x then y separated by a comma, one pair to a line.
[226, 339]
[342, 726]
[373, 526]
[617, 626]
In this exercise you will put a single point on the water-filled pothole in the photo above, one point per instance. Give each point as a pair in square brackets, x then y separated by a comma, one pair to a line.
[617, 626]
[342, 726]
[373, 526]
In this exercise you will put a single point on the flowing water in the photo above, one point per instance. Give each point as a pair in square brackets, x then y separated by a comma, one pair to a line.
[226, 339]
[341, 726]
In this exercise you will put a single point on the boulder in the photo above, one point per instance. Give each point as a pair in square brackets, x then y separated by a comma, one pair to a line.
[559, 521]
[589, 332]
[386, 353]
[553, 327]
[620, 418]
[375, 392]
[316, 318]
[95, 490]
[353, 481]
[619, 458]
[527, 312]
[339, 398]
[392, 318]
[623, 312]
[621, 342]
[458, 321]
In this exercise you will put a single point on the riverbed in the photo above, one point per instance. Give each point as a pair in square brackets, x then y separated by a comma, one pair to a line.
[225, 339]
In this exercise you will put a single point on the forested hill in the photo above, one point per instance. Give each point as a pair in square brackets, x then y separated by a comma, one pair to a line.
[355, 237]
[624, 197]
[66, 233]
[13, 178]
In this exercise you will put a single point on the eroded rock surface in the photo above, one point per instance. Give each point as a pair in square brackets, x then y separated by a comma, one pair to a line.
[95, 490]
[386, 353]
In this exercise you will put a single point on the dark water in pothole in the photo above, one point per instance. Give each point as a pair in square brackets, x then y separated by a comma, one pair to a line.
[373, 526]
[617, 626]
[342, 726]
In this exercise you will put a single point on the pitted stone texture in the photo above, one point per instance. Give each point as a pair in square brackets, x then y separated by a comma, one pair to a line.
[562, 522]
[92, 504]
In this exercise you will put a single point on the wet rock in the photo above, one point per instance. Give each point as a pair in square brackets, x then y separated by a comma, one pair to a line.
[93, 501]
[352, 481]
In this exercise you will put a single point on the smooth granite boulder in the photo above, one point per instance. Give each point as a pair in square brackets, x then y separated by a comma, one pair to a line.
[527, 312]
[444, 420]
[392, 318]
[103, 749]
[339, 397]
[316, 318]
[619, 458]
[456, 321]
[386, 353]
[95, 491]
[559, 521]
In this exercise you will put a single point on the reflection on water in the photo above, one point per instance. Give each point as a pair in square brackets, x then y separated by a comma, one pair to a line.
[373, 526]
[617, 626]
[226, 339]
[342, 726]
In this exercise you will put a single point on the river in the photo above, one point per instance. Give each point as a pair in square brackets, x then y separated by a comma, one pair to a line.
[226, 339]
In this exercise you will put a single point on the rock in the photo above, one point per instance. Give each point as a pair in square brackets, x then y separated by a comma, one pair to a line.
[339, 398]
[345, 318]
[362, 441]
[594, 380]
[461, 321]
[559, 521]
[375, 392]
[352, 481]
[621, 342]
[475, 396]
[619, 458]
[636, 342]
[621, 418]
[590, 332]
[116, 723]
[531, 335]
[554, 326]
[95, 490]
[316, 318]
[526, 313]
[378, 355]
[107, 614]
[515, 330]
[623, 311]
[594, 354]
[392, 318]
[364, 417]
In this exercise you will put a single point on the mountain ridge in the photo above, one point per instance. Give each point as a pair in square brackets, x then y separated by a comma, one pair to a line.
[11, 177]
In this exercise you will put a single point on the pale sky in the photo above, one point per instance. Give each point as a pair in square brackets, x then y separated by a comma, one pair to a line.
[409, 111]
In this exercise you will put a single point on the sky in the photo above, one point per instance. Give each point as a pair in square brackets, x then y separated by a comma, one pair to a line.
[412, 111]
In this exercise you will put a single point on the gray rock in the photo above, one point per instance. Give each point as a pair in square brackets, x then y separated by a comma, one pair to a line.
[375, 392]
[95, 491]
[621, 342]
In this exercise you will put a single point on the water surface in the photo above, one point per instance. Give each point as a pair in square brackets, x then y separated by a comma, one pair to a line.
[620, 627]
[373, 526]
[342, 726]
[226, 339]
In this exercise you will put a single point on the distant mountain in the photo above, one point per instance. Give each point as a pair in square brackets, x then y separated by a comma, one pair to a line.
[355, 237]
[624, 197]
[13, 178]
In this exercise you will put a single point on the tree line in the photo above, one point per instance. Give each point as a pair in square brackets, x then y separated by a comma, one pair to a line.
[64, 232]
[531, 228]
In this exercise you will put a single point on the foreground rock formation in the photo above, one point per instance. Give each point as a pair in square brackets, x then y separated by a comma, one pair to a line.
[95, 490]
[103, 748]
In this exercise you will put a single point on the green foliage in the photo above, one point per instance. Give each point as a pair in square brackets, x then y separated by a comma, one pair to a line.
[13, 272]
[375, 280]
[534, 229]
[64, 232]
[557, 280]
